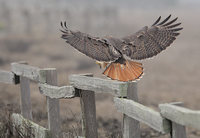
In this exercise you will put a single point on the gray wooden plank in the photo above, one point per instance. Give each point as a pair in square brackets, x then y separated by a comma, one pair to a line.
[181, 115]
[88, 108]
[178, 131]
[26, 71]
[57, 92]
[43, 75]
[8, 77]
[26, 108]
[28, 128]
[116, 88]
[53, 108]
[131, 127]
[143, 114]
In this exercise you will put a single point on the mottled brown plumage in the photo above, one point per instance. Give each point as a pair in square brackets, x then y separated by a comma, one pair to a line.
[146, 43]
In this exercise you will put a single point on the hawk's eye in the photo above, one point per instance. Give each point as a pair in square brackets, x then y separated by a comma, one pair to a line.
[141, 37]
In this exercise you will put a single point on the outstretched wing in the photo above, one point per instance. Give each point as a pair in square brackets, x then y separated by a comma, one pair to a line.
[93, 47]
[149, 42]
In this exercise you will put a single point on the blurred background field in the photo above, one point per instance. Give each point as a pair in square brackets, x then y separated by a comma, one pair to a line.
[29, 31]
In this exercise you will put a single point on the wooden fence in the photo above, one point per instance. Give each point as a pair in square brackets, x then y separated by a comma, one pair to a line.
[172, 118]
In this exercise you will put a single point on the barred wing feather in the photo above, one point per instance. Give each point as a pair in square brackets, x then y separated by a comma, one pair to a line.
[148, 42]
[93, 47]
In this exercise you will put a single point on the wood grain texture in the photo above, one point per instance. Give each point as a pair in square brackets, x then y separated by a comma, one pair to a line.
[53, 108]
[178, 131]
[181, 115]
[8, 77]
[88, 109]
[57, 92]
[26, 108]
[27, 71]
[28, 128]
[131, 126]
[116, 88]
[143, 114]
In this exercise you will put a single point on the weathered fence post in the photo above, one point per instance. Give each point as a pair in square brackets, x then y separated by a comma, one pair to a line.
[178, 131]
[26, 108]
[88, 108]
[131, 127]
[169, 111]
[53, 109]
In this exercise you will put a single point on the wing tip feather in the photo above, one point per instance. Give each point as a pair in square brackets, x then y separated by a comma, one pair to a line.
[165, 20]
[166, 23]
[156, 21]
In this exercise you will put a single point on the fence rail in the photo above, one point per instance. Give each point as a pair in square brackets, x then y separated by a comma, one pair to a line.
[181, 115]
[143, 114]
[8, 77]
[171, 119]
[85, 82]
[57, 92]
[27, 71]
[29, 128]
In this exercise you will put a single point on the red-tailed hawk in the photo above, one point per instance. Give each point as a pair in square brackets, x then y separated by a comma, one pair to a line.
[119, 53]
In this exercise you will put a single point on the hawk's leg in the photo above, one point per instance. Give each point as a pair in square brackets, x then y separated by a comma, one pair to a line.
[102, 64]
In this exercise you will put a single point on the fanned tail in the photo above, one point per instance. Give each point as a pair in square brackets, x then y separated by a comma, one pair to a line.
[129, 71]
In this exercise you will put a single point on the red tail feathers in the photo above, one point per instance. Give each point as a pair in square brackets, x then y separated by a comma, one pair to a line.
[129, 71]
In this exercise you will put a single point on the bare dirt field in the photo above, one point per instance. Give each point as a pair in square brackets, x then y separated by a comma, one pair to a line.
[171, 76]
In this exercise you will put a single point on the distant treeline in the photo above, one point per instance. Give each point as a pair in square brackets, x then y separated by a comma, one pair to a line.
[28, 17]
